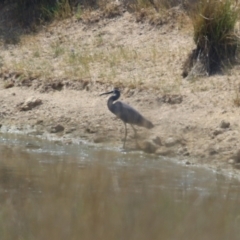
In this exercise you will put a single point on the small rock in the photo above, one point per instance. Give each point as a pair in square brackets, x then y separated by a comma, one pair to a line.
[39, 122]
[148, 147]
[56, 129]
[212, 151]
[170, 142]
[90, 130]
[231, 161]
[224, 124]
[70, 130]
[29, 104]
[157, 141]
[217, 131]
[9, 84]
[183, 151]
[186, 154]
[187, 163]
[163, 151]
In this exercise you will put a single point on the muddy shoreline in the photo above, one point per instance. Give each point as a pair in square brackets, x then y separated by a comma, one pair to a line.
[73, 116]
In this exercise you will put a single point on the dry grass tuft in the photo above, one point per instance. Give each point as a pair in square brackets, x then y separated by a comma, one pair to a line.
[214, 35]
[112, 10]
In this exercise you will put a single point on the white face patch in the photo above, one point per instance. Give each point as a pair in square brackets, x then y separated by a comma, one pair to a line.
[116, 92]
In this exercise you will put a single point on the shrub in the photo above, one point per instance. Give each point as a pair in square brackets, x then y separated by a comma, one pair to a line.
[29, 12]
[214, 36]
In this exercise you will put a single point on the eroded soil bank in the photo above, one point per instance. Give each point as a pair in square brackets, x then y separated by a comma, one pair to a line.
[195, 120]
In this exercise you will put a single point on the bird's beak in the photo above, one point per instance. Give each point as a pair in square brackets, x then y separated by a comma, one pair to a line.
[106, 93]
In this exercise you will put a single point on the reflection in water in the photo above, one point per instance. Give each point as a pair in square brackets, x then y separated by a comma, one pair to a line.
[51, 191]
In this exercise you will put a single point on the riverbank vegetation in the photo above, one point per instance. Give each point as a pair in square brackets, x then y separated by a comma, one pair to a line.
[30, 12]
[213, 31]
[214, 35]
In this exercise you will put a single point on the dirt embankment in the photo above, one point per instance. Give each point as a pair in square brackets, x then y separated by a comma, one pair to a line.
[50, 85]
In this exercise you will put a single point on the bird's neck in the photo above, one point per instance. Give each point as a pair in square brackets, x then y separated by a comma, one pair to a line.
[110, 103]
[111, 100]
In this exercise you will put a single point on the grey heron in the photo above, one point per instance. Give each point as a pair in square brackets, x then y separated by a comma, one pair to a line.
[126, 113]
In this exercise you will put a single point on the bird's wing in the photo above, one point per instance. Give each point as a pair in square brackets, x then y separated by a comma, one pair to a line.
[127, 113]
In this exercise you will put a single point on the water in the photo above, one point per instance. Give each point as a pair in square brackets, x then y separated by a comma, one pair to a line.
[55, 191]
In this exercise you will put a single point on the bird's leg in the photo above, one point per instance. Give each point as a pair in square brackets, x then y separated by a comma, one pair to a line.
[135, 133]
[125, 135]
